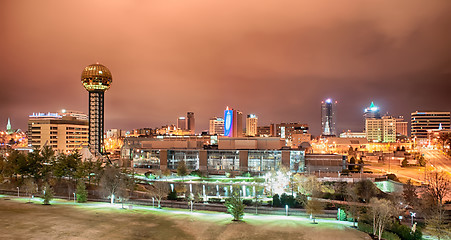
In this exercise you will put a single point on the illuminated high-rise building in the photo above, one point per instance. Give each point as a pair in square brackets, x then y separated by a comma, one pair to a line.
[181, 123]
[372, 111]
[96, 79]
[328, 117]
[381, 129]
[421, 122]
[251, 125]
[190, 124]
[216, 126]
[233, 123]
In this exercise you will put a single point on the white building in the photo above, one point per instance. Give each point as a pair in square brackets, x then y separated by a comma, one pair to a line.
[216, 126]
[251, 125]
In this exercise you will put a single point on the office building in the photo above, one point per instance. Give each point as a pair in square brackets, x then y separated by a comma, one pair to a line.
[328, 117]
[372, 112]
[96, 79]
[251, 125]
[264, 131]
[421, 122]
[62, 133]
[233, 123]
[380, 129]
[181, 123]
[388, 129]
[190, 123]
[373, 129]
[401, 127]
[286, 130]
[216, 126]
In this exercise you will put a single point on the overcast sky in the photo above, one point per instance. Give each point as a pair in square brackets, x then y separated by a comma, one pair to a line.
[276, 59]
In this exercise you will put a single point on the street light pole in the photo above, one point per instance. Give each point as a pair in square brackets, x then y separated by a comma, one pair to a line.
[18, 193]
[412, 215]
[74, 197]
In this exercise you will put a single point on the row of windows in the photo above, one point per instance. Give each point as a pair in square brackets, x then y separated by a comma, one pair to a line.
[219, 160]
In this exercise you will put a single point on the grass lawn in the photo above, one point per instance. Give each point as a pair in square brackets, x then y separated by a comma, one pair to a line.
[66, 220]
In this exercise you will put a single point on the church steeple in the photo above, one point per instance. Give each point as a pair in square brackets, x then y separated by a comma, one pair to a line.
[8, 126]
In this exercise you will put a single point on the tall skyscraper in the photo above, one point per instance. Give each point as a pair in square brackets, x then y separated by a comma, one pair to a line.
[233, 123]
[181, 123]
[328, 117]
[96, 79]
[190, 124]
[421, 122]
[381, 129]
[251, 125]
[216, 126]
[372, 111]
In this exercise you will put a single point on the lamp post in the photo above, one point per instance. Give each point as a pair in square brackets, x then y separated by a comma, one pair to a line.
[286, 210]
[18, 191]
[74, 197]
[412, 215]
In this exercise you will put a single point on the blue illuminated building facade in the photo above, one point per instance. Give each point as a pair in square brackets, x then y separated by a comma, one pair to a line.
[228, 122]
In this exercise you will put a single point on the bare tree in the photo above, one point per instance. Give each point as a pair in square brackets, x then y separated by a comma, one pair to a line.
[382, 211]
[352, 207]
[30, 188]
[409, 194]
[436, 223]
[432, 200]
[314, 207]
[113, 182]
[182, 169]
[309, 186]
[365, 189]
[438, 186]
[158, 190]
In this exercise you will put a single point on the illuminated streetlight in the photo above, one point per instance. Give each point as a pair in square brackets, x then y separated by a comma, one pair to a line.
[74, 197]
[17, 191]
[412, 215]
[286, 209]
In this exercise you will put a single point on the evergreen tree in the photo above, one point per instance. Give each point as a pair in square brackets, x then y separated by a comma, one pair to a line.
[81, 193]
[235, 205]
[48, 194]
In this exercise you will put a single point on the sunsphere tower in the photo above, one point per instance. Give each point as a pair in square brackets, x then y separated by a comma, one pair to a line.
[96, 78]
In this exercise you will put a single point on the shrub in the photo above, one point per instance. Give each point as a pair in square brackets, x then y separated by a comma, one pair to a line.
[172, 195]
[405, 233]
[247, 202]
[404, 163]
[214, 200]
[390, 236]
[365, 227]
[392, 177]
[197, 173]
[287, 200]
[341, 215]
[276, 201]
[82, 194]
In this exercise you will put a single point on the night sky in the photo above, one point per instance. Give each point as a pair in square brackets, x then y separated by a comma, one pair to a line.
[276, 59]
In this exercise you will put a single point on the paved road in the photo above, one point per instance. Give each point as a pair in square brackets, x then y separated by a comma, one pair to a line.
[438, 159]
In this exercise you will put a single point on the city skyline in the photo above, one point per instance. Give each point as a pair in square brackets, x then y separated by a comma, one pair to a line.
[278, 66]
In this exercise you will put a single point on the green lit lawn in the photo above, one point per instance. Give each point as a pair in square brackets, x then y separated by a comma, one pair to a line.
[66, 220]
